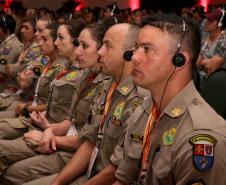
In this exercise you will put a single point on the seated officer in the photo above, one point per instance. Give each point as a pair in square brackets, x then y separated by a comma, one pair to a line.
[112, 108]
[174, 137]
[10, 46]
[31, 49]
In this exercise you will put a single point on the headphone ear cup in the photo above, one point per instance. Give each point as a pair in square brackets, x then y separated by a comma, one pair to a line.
[127, 55]
[178, 60]
[219, 24]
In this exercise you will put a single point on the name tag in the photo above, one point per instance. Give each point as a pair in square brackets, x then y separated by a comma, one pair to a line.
[137, 137]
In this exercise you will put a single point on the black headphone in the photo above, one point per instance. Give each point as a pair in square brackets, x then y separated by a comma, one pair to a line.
[220, 24]
[76, 42]
[178, 59]
[127, 55]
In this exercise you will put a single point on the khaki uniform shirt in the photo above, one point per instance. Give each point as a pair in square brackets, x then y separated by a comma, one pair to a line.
[61, 92]
[10, 49]
[45, 80]
[123, 102]
[183, 144]
[28, 55]
[84, 100]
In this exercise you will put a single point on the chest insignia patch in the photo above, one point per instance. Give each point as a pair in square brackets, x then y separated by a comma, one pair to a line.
[168, 137]
[118, 111]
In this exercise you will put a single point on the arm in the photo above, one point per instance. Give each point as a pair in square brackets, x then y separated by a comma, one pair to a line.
[106, 176]
[118, 183]
[69, 143]
[40, 120]
[37, 108]
[212, 64]
[77, 165]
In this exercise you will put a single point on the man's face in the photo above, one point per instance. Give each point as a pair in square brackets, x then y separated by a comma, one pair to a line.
[111, 52]
[27, 32]
[152, 58]
[46, 42]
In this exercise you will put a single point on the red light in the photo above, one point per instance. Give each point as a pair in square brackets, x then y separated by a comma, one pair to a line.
[79, 6]
[204, 3]
[134, 4]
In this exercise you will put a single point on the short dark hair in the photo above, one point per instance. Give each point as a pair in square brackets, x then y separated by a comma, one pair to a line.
[74, 27]
[7, 23]
[53, 30]
[97, 31]
[173, 24]
[32, 20]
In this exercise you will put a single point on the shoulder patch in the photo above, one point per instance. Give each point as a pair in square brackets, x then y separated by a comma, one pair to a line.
[3, 61]
[203, 151]
[7, 50]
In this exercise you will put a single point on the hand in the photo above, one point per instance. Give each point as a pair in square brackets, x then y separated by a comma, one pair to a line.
[39, 120]
[19, 107]
[33, 135]
[22, 79]
[207, 66]
[47, 142]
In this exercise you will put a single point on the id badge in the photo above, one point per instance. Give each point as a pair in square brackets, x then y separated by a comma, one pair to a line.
[91, 162]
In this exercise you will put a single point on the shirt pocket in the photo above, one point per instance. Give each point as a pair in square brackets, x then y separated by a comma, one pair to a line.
[135, 150]
[113, 128]
[162, 167]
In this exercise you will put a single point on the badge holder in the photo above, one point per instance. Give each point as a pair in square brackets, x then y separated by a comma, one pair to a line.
[94, 155]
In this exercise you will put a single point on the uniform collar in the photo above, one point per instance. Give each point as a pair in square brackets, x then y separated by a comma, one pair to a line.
[147, 104]
[7, 39]
[101, 77]
[180, 102]
[126, 86]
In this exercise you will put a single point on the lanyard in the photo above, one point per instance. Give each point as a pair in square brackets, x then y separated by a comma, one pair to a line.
[148, 129]
[106, 109]
[38, 83]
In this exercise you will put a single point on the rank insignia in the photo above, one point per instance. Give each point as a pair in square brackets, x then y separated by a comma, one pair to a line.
[3, 61]
[44, 61]
[92, 92]
[203, 151]
[176, 112]
[6, 50]
[137, 137]
[198, 182]
[135, 105]
[118, 111]
[37, 70]
[124, 90]
[29, 54]
[70, 76]
[168, 137]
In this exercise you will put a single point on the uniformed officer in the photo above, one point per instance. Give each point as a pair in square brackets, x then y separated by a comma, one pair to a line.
[174, 137]
[77, 115]
[10, 46]
[98, 156]
[11, 100]
[12, 128]
[31, 49]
